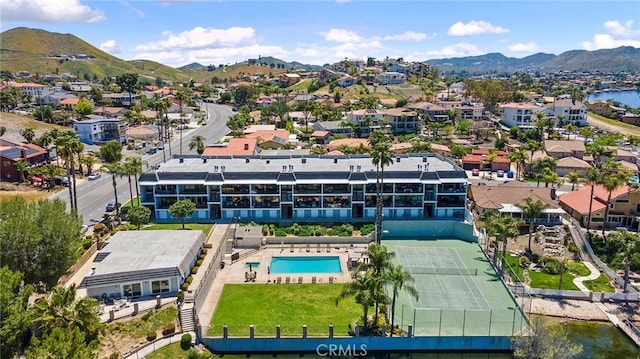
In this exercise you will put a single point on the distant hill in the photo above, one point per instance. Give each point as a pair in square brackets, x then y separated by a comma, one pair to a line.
[281, 64]
[194, 66]
[624, 58]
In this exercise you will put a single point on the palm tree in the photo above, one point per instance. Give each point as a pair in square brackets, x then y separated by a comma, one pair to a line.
[592, 178]
[89, 161]
[134, 165]
[182, 96]
[362, 288]
[532, 146]
[563, 267]
[62, 310]
[161, 106]
[611, 182]
[502, 227]
[574, 179]
[21, 166]
[114, 169]
[68, 145]
[51, 171]
[379, 262]
[586, 132]
[530, 211]
[381, 156]
[517, 157]
[197, 142]
[399, 279]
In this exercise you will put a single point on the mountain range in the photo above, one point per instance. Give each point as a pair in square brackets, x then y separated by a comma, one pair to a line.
[44, 52]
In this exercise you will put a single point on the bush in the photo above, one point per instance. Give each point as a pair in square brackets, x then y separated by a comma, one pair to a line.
[185, 341]
[199, 262]
[151, 335]
[88, 236]
[114, 356]
[146, 316]
[99, 228]
[189, 279]
[168, 328]
[86, 243]
[133, 227]
[184, 286]
[280, 232]
[367, 229]
[524, 262]
[194, 270]
[180, 296]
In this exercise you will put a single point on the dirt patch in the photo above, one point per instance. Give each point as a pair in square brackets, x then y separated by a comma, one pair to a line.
[28, 192]
[14, 123]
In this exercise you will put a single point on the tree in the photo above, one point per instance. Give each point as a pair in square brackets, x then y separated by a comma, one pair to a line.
[532, 146]
[381, 156]
[111, 151]
[51, 171]
[545, 340]
[379, 264]
[43, 113]
[361, 287]
[502, 227]
[89, 161]
[518, 158]
[592, 178]
[128, 82]
[83, 108]
[68, 145]
[38, 239]
[197, 142]
[611, 182]
[183, 97]
[62, 343]
[161, 105]
[530, 211]
[44, 140]
[138, 216]
[574, 179]
[114, 169]
[15, 318]
[28, 134]
[134, 166]
[21, 166]
[182, 209]
[563, 267]
[237, 123]
[399, 279]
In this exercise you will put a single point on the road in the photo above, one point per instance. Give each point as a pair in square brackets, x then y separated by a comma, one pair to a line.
[623, 128]
[94, 195]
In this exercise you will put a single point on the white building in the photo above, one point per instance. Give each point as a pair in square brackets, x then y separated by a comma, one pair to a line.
[521, 115]
[569, 111]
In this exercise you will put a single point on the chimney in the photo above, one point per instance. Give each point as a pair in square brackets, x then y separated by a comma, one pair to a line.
[553, 193]
[23, 153]
[246, 146]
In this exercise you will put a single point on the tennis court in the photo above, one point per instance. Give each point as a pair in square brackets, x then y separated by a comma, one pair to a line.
[459, 293]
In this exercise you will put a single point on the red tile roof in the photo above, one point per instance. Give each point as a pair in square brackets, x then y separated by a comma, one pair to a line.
[235, 147]
[579, 200]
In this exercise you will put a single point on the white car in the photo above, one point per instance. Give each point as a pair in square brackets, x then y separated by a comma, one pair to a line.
[94, 176]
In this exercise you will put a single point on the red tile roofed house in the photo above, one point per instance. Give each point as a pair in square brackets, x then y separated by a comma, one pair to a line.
[347, 142]
[400, 148]
[442, 150]
[479, 159]
[235, 147]
[559, 149]
[11, 152]
[69, 103]
[321, 137]
[270, 139]
[109, 112]
[624, 209]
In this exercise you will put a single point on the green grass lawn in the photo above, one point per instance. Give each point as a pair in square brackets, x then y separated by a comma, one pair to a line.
[171, 351]
[205, 227]
[139, 328]
[290, 305]
[550, 281]
[600, 284]
[135, 203]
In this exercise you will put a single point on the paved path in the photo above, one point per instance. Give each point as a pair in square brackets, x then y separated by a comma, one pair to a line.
[206, 312]
[595, 273]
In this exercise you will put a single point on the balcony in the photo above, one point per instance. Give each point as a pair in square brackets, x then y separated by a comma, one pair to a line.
[236, 202]
[265, 189]
[408, 201]
[337, 202]
[452, 188]
[266, 202]
[336, 189]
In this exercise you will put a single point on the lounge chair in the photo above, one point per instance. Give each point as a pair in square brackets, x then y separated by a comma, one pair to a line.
[254, 275]
[299, 280]
[291, 250]
[319, 249]
[328, 247]
[279, 280]
[330, 279]
[313, 280]
[287, 280]
[308, 247]
[247, 276]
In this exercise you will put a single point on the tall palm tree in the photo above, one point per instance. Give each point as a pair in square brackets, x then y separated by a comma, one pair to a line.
[530, 211]
[574, 179]
[182, 96]
[518, 158]
[89, 161]
[114, 169]
[399, 279]
[381, 157]
[62, 310]
[379, 262]
[362, 288]
[532, 146]
[611, 182]
[69, 145]
[51, 171]
[197, 142]
[502, 227]
[134, 165]
[161, 107]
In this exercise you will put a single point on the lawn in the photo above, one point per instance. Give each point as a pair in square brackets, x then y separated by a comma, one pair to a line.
[600, 284]
[150, 321]
[290, 305]
[205, 227]
[550, 281]
[171, 351]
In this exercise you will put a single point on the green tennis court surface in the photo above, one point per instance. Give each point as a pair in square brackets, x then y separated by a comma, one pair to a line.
[459, 292]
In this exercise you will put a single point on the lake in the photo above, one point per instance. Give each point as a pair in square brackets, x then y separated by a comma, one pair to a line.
[629, 98]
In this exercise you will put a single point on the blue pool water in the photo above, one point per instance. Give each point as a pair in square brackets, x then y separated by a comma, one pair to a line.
[324, 264]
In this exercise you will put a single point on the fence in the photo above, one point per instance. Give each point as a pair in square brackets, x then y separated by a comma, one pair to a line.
[79, 263]
[148, 348]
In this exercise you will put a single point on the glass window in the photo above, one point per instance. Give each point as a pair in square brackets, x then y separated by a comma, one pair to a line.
[159, 286]
[132, 290]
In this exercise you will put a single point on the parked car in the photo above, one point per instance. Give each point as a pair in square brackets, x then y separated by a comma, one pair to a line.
[475, 172]
[61, 181]
[94, 176]
[500, 173]
[111, 206]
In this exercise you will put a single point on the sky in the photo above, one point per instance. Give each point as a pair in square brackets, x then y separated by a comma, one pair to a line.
[180, 32]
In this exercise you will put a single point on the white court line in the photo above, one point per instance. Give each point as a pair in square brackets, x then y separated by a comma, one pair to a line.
[486, 304]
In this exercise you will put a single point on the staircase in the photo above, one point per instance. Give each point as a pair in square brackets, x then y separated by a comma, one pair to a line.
[187, 313]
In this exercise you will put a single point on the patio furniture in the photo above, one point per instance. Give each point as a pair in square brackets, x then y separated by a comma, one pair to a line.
[299, 280]
[279, 280]
[287, 280]
[313, 280]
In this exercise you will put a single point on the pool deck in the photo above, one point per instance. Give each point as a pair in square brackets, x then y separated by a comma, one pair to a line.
[234, 273]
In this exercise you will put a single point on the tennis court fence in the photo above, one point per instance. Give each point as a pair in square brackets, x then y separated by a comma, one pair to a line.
[442, 271]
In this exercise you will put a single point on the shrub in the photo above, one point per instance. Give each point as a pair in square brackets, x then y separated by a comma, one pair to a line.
[151, 335]
[194, 270]
[133, 227]
[184, 286]
[367, 229]
[180, 296]
[280, 232]
[204, 252]
[87, 243]
[189, 279]
[146, 316]
[185, 341]
[199, 262]
[524, 262]
[89, 236]
[265, 230]
[99, 227]
[168, 328]
[114, 356]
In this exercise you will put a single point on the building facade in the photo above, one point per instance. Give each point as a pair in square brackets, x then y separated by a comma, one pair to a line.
[99, 129]
[521, 115]
[306, 188]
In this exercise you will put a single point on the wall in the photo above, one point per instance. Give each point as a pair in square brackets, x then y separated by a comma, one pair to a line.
[357, 345]
[438, 228]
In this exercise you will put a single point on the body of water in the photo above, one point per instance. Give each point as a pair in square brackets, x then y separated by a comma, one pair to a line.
[323, 264]
[629, 98]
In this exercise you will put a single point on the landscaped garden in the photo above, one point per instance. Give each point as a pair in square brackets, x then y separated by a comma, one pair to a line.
[306, 230]
[290, 305]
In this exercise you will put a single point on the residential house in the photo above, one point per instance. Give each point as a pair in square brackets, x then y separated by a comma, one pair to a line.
[36, 92]
[333, 127]
[321, 137]
[521, 115]
[572, 164]
[560, 149]
[69, 103]
[480, 159]
[367, 120]
[470, 113]
[624, 208]
[601, 108]
[402, 120]
[569, 111]
[109, 111]
[120, 99]
[263, 101]
[442, 150]
[434, 113]
[400, 148]
[510, 198]
[270, 139]
[306, 189]
[347, 143]
[391, 78]
[137, 264]
[286, 80]
[630, 118]
[235, 147]
[98, 129]
[346, 81]
[12, 152]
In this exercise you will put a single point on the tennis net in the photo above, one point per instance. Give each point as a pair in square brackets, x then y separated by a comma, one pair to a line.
[442, 271]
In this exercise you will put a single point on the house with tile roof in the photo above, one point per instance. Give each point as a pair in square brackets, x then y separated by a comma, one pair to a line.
[347, 142]
[624, 208]
[510, 198]
[559, 149]
[235, 147]
[13, 152]
[572, 164]
[271, 139]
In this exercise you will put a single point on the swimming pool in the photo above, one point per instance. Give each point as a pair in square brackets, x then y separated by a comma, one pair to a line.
[323, 264]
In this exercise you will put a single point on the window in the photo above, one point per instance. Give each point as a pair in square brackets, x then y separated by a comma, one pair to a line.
[622, 201]
[159, 286]
[132, 290]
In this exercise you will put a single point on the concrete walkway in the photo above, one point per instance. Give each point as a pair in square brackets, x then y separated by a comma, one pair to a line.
[206, 312]
[595, 273]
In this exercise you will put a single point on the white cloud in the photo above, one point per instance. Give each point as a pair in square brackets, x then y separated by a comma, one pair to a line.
[110, 46]
[475, 28]
[341, 35]
[132, 9]
[409, 36]
[200, 37]
[618, 35]
[456, 50]
[523, 47]
[47, 11]
[213, 55]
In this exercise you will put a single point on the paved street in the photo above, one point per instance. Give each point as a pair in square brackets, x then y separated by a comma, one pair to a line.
[93, 196]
